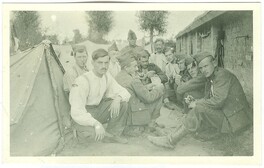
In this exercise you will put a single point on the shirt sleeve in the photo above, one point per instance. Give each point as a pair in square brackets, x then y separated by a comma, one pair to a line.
[144, 94]
[68, 79]
[77, 98]
[114, 89]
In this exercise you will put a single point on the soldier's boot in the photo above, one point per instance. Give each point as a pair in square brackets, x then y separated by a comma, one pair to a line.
[171, 140]
[175, 137]
[162, 141]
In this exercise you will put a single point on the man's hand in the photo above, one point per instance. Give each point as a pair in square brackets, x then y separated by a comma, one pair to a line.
[192, 105]
[178, 79]
[150, 86]
[151, 74]
[115, 107]
[99, 131]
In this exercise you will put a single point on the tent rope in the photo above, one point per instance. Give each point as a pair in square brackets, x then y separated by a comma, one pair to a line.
[53, 53]
[48, 58]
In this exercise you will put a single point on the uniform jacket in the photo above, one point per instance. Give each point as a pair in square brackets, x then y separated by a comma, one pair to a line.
[140, 95]
[70, 75]
[196, 84]
[135, 50]
[223, 91]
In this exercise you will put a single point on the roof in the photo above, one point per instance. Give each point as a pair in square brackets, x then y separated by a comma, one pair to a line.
[200, 20]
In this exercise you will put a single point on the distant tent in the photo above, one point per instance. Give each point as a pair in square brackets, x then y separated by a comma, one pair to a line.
[39, 108]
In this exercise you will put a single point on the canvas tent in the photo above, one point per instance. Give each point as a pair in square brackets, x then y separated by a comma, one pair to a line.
[39, 108]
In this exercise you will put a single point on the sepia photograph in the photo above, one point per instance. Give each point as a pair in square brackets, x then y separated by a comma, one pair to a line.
[114, 79]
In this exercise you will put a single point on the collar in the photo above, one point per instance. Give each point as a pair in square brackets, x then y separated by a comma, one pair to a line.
[210, 78]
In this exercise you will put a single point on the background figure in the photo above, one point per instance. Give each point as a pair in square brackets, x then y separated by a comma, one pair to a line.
[172, 70]
[132, 46]
[114, 67]
[158, 58]
[80, 55]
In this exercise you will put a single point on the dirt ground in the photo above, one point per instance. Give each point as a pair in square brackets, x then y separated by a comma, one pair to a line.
[191, 145]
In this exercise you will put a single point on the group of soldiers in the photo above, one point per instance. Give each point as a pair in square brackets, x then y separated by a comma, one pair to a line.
[124, 91]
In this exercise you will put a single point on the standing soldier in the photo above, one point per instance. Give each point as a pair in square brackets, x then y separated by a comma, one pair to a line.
[80, 55]
[114, 67]
[158, 58]
[132, 46]
[224, 106]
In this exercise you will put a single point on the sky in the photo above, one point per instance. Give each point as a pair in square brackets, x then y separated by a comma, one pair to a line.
[63, 23]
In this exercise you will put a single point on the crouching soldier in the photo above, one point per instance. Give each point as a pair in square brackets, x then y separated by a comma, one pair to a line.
[96, 98]
[224, 106]
[146, 100]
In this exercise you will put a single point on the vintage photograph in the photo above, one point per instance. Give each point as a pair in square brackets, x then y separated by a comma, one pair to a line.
[131, 82]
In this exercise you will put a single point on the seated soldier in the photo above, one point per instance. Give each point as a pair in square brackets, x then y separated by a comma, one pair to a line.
[171, 70]
[149, 71]
[193, 88]
[224, 106]
[183, 75]
[114, 67]
[145, 101]
[96, 98]
[80, 55]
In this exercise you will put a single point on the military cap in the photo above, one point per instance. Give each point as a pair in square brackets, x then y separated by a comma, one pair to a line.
[143, 53]
[202, 55]
[189, 60]
[181, 56]
[113, 47]
[126, 58]
[131, 35]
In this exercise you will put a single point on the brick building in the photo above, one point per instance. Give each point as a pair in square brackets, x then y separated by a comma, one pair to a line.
[228, 35]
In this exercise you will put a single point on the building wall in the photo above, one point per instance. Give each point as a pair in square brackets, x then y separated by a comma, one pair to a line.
[238, 50]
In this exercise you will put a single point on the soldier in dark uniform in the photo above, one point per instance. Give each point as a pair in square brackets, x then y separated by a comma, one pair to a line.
[194, 87]
[224, 106]
[145, 101]
[132, 46]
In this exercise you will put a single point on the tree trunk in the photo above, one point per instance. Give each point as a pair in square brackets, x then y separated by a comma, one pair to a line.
[151, 40]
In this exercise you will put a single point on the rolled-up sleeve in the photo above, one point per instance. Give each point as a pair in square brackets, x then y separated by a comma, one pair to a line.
[114, 89]
[77, 98]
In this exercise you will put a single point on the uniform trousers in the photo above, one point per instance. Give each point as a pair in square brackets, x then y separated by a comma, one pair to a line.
[101, 113]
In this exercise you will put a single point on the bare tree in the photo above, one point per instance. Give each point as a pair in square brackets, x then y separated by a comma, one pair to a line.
[153, 22]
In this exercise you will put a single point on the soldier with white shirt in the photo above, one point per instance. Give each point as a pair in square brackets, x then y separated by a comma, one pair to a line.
[96, 98]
